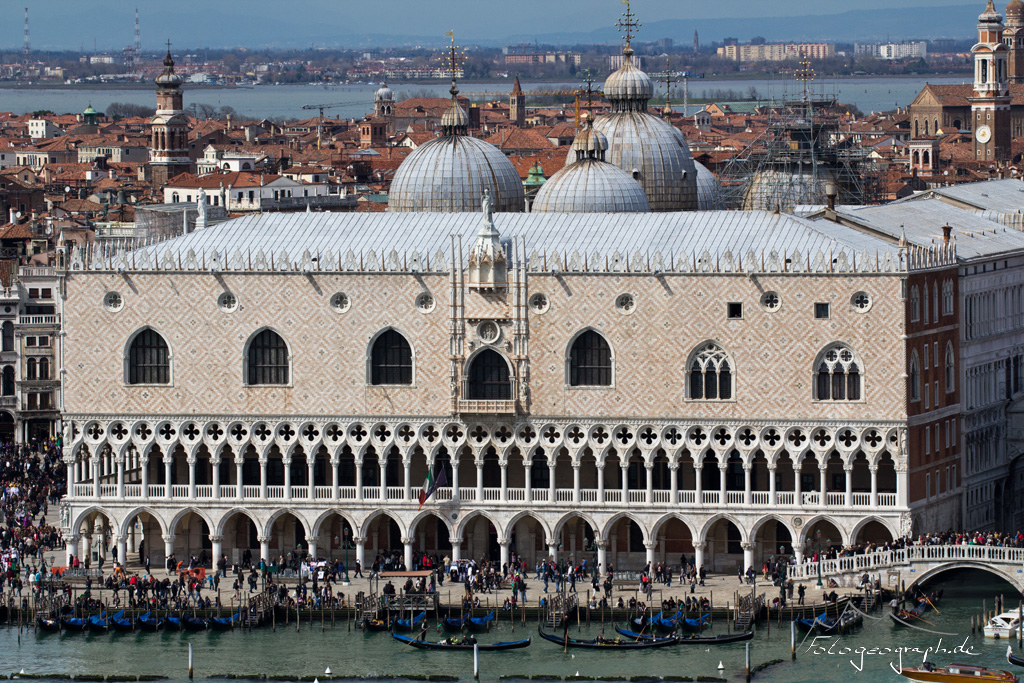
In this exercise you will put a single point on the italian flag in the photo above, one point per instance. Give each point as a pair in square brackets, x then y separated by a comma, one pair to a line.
[431, 484]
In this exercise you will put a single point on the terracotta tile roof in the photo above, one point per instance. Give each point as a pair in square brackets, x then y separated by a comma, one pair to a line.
[8, 267]
[215, 180]
[81, 206]
[519, 139]
[16, 231]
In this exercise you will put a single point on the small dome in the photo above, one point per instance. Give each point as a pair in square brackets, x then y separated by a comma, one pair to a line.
[454, 120]
[782, 189]
[990, 15]
[591, 186]
[589, 142]
[384, 93]
[1015, 8]
[628, 82]
[168, 78]
[450, 174]
[709, 190]
[89, 111]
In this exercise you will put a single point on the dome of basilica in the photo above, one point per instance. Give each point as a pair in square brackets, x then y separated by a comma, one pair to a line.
[709, 190]
[451, 172]
[590, 184]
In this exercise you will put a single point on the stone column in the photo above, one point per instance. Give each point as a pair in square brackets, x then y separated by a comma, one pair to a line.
[335, 480]
[407, 555]
[527, 480]
[407, 493]
[239, 462]
[311, 547]
[264, 548]
[480, 481]
[673, 485]
[798, 494]
[70, 464]
[722, 494]
[71, 546]
[748, 556]
[503, 544]
[576, 483]
[772, 497]
[698, 555]
[901, 485]
[649, 547]
[624, 483]
[648, 475]
[191, 476]
[504, 481]
[119, 464]
[823, 491]
[456, 548]
[216, 549]
[99, 532]
[602, 558]
[96, 477]
[215, 476]
[848, 476]
[144, 471]
[553, 549]
[747, 467]
[383, 489]
[698, 471]
[552, 489]
[263, 479]
[359, 479]
[287, 462]
[873, 469]
[168, 546]
[360, 542]
[600, 483]
[311, 476]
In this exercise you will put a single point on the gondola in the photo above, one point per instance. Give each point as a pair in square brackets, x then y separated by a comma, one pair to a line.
[225, 623]
[905, 617]
[688, 639]
[445, 645]
[665, 624]
[454, 625]
[47, 625]
[815, 623]
[640, 623]
[149, 623]
[694, 625]
[408, 624]
[603, 644]
[121, 625]
[98, 623]
[194, 623]
[4, 613]
[480, 624]
[1016, 660]
[72, 624]
[375, 625]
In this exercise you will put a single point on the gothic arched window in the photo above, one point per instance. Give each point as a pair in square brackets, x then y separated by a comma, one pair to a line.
[950, 368]
[837, 375]
[711, 376]
[590, 361]
[391, 359]
[488, 377]
[149, 359]
[914, 378]
[915, 304]
[267, 359]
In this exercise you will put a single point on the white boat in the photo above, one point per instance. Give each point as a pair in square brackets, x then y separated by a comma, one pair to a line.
[1003, 625]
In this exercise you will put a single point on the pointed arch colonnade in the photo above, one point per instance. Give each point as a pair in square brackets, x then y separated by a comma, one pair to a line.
[617, 493]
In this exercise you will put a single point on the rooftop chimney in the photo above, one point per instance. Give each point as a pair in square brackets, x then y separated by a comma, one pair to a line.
[947, 230]
[831, 192]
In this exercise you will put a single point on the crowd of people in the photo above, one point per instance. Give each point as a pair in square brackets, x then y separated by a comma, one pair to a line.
[32, 479]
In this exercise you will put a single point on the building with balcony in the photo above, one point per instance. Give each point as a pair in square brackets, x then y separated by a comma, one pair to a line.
[719, 385]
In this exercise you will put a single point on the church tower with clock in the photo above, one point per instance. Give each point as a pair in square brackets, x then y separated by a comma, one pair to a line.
[990, 101]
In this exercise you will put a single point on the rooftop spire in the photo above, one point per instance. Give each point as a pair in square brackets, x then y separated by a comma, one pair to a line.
[628, 27]
[454, 121]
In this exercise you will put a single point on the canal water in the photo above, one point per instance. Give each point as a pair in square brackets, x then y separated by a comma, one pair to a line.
[310, 651]
[286, 101]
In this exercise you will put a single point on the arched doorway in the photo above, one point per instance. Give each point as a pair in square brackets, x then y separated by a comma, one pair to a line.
[723, 550]
[6, 427]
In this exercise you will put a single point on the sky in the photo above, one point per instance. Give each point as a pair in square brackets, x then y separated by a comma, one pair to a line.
[72, 24]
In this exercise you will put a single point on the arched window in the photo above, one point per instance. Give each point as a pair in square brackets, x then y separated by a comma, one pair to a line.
[44, 368]
[149, 359]
[837, 375]
[7, 381]
[935, 302]
[488, 377]
[950, 368]
[8, 336]
[915, 377]
[391, 359]
[915, 304]
[710, 374]
[267, 359]
[590, 361]
[30, 368]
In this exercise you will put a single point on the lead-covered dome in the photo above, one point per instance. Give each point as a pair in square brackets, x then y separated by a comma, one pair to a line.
[450, 173]
[384, 93]
[651, 151]
[1015, 9]
[709, 190]
[590, 184]
[168, 78]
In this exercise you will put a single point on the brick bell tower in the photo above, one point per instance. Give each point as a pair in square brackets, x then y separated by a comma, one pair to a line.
[168, 153]
[1013, 38]
[990, 101]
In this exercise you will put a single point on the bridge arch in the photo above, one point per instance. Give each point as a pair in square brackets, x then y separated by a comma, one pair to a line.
[1006, 573]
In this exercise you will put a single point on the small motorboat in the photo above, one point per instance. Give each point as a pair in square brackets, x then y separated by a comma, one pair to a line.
[691, 638]
[480, 624]
[454, 625]
[1003, 625]
[455, 643]
[47, 625]
[955, 673]
[147, 622]
[121, 625]
[601, 643]
[408, 624]
[225, 623]
[1016, 660]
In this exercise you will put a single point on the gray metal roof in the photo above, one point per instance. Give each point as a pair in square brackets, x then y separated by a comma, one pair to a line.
[669, 233]
[922, 221]
[1003, 196]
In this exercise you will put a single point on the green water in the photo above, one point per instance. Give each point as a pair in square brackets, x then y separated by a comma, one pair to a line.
[310, 651]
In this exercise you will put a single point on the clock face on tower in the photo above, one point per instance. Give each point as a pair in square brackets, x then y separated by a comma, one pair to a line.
[983, 134]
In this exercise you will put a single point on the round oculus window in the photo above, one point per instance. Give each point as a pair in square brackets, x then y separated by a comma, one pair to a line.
[340, 303]
[113, 301]
[625, 303]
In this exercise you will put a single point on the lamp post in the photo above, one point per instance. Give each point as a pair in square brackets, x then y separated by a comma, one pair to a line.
[592, 546]
[828, 541]
[346, 533]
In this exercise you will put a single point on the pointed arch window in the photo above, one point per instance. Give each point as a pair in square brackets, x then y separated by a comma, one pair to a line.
[837, 375]
[950, 368]
[914, 377]
[391, 359]
[267, 360]
[488, 377]
[915, 304]
[590, 361]
[149, 359]
[711, 375]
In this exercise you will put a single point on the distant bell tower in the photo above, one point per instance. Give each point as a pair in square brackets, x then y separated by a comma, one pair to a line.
[168, 154]
[696, 43]
[384, 106]
[990, 101]
[1013, 38]
[517, 105]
